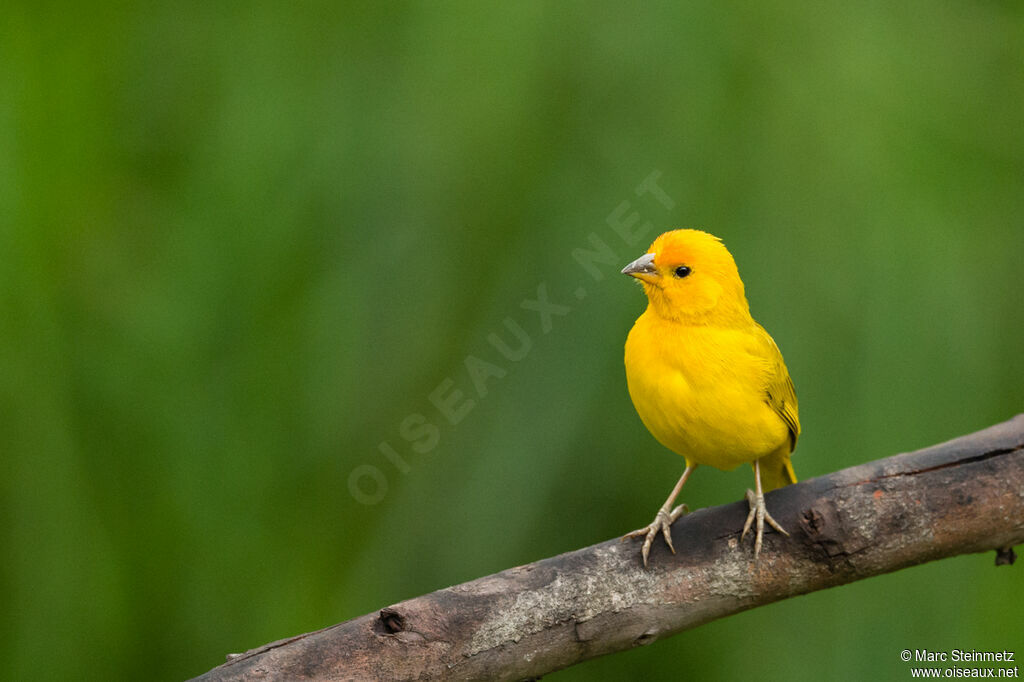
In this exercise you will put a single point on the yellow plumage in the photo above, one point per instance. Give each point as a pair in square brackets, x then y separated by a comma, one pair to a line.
[706, 379]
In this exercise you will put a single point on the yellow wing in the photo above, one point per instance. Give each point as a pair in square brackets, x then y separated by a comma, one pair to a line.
[779, 391]
[781, 397]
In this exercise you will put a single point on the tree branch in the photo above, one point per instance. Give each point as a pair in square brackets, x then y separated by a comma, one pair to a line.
[959, 497]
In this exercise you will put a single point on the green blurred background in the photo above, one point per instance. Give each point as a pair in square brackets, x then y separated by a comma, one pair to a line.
[242, 244]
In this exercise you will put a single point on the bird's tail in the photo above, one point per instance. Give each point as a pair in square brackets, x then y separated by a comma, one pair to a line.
[777, 470]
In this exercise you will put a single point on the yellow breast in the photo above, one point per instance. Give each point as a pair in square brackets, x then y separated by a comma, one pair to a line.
[701, 392]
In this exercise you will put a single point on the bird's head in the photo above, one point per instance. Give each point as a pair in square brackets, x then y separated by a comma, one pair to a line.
[689, 275]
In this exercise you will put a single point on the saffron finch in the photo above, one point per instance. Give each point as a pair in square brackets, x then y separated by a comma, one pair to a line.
[708, 381]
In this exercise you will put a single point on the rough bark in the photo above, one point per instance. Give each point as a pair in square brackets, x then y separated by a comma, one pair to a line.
[959, 497]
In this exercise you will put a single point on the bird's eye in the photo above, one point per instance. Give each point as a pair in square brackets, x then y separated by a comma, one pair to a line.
[682, 271]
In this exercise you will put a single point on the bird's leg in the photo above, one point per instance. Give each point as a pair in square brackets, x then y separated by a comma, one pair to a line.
[663, 519]
[758, 512]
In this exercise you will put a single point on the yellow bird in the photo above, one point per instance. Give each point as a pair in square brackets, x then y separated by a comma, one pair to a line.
[707, 380]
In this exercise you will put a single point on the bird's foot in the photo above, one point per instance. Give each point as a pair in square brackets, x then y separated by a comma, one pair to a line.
[759, 513]
[662, 523]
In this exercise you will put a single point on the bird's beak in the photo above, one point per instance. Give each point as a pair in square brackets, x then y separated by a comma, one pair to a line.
[642, 268]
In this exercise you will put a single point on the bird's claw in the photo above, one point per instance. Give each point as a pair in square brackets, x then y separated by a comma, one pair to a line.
[662, 523]
[759, 512]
